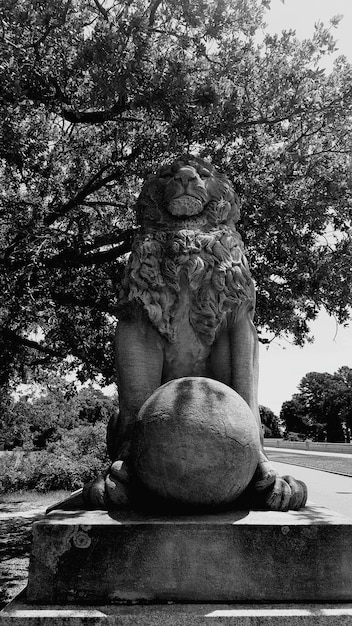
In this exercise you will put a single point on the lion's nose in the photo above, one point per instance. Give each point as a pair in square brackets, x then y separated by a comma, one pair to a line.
[185, 175]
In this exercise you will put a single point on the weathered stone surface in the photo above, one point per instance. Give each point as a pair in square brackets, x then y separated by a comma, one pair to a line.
[99, 558]
[22, 614]
[196, 442]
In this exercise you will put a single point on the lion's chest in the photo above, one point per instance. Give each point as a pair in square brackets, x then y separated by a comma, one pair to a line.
[187, 354]
[189, 283]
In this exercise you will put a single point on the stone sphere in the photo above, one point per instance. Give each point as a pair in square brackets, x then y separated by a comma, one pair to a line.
[196, 442]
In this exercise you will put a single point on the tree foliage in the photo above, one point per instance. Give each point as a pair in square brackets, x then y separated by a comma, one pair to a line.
[323, 407]
[270, 422]
[57, 436]
[51, 415]
[95, 93]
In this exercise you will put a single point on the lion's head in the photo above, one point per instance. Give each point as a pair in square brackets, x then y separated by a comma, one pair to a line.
[188, 194]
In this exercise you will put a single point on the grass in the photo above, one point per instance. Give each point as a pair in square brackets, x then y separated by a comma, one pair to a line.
[18, 511]
[336, 465]
[32, 498]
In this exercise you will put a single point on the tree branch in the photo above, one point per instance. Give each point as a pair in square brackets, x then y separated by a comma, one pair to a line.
[106, 255]
[74, 259]
[51, 27]
[97, 117]
[92, 186]
[307, 133]
[154, 7]
[262, 121]
[103, 305]
[95, 203]
[28, 343]
[13, 45]
[102, 10]
[109, 239]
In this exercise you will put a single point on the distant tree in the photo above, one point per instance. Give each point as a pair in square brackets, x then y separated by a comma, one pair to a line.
[323, 407]
[14, 426]
[270, 422]
[91, 405]
[344, 375]
[322, 394]
[94, 94]
[48, 414]
[83, 440]
[296, 418]
[34, 418]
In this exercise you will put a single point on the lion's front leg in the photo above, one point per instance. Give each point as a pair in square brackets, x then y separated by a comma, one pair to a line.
[139, 365]
[244, 358]
[267, 488]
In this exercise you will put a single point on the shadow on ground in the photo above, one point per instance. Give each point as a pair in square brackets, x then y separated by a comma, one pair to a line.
[16, 519]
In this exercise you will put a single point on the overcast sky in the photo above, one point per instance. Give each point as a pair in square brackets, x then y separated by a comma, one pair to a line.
[282, 365]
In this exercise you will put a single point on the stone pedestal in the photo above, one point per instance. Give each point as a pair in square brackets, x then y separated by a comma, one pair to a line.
[95, 557]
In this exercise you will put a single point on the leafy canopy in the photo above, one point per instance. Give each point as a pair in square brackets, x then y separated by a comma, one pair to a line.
[323, 407]
[270, 422]
[95, 94]
[45, 414]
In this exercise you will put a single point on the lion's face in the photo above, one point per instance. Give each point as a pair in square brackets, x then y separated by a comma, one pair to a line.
[190, 194]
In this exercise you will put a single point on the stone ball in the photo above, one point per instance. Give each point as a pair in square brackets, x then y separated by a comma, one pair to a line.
[196, 442]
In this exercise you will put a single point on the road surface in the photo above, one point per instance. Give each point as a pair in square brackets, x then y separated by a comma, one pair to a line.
[324, 488]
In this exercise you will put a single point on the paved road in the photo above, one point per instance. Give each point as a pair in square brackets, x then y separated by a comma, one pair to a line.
[331, 490]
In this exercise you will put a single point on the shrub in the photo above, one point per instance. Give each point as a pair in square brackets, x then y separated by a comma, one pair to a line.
[78, 458]
[61, 472]
[16, 470]
[81, 441]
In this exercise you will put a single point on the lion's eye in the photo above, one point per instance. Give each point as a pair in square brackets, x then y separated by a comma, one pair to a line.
[204, 173]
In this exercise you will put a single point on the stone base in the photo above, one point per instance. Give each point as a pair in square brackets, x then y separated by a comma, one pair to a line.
[95, 557]
[21, 614]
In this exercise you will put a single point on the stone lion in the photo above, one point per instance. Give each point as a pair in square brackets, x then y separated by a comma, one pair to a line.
[187, 309]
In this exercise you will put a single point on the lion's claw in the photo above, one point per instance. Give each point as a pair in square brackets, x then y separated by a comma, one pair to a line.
[286, 494]
[278, 496]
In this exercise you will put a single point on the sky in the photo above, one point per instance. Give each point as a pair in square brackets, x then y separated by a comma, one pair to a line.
[301, 15]
[282, 365]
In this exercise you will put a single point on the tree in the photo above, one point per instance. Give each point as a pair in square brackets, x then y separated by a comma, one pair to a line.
[270, 421]
[91, 405]
[297, 419]
[54, 412]
[94, 94]
[344, 375]
[321, 393]
[323, 406]
[62, 434]
[36, 416]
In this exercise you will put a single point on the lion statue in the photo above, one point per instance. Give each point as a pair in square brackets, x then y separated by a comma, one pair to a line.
[187, 307]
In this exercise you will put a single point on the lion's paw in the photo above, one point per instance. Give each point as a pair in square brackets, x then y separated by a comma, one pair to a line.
[111, 491]
[285, 494]
[270, 491]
